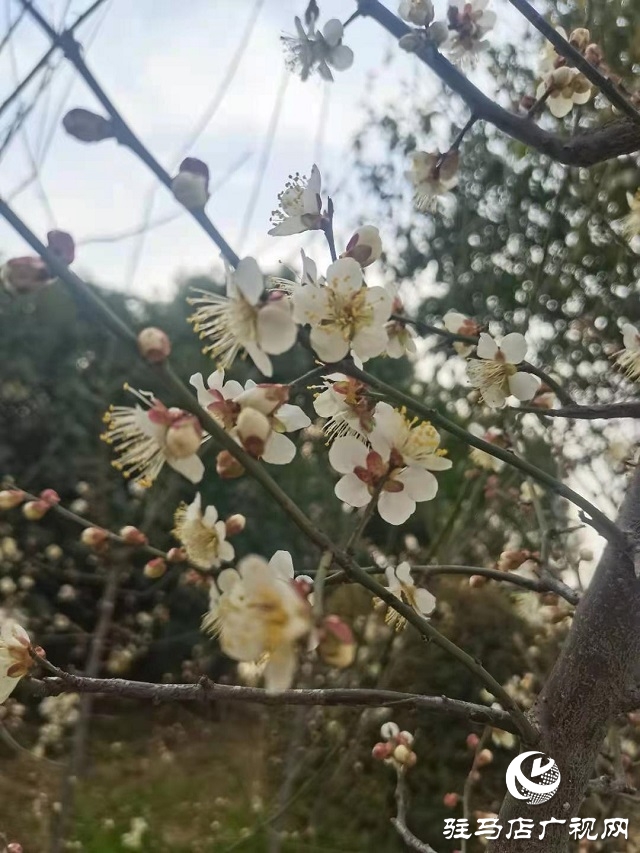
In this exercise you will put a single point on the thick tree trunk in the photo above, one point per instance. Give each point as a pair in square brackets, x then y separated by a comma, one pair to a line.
[586, 688]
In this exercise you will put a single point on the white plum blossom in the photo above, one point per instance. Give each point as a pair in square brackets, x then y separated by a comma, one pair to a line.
[495, 374]
[312, 49]
[401, 336]
[432, 176]
[397, 469]
[257, 416]
[401, 584]
[247, 318]
[459, 324]
[628, 358]
[147, 438]
[345, 315]
[257, 611]
[202, 534]
[345, 404]
[15, 659]
[300, 205]
[567, 86]
[469, 22]
[418, 12]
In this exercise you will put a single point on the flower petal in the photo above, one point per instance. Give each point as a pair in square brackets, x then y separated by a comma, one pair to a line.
[403, 573]
[292, 417]
[351, 490]
[494, 396]
[513, 347]
[249, 280]
[347, 453]
[280, 669]
[369, 342]
[289, 225]
[341, 57]
[523, 385]
[277, 331]
[281, 564]
[310, 304]
[333, 31]
[259, 358]
[345, 276]
[487, 347]
[395, 507]
[190, 467]
[420, 485]
[278, 450]
[329, 345]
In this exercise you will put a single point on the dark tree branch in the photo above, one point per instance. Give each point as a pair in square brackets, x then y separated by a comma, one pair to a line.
[581, 149]
[209, 692]
[400, 820]
[606, 411]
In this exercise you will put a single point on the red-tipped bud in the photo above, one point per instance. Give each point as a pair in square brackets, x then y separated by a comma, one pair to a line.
[154, 345]
[177, 555]
[451, 800]
[235, 524]
[484, 757]
[365, 246]
[473, 740]
[10, 498]
[50, 496]
[191, 185]
[155, 568]
[227, 466]
[381, 751]
[35, 510]
[95, 538]
[134, 537]
[253, 431]
[25, 275]
[62, 245]
[476, 581]
[87, 126]
[14, 847]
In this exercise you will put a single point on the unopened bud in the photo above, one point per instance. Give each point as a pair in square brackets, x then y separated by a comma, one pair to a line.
[593, 54]
[406, 738]
[580, 38]
[62, 244]
[235, 524]
[451, 800]
[94, 537]
[484, 757]
[403, 755]
[381, 751]
[35, 510]
[473, 740]
[87, 126]
[365, 246]
[526, 102]
[389, 730]
[227, 466]
[476, 581]
[155, 568]
[154, 345]
[10, 498]
[438, 33]
[184, 437]
[191, 185]
[176, 555]
[14, 847]
[264, 398]
[132, 536]
[50, 497]
[253, 431]
[25, 275]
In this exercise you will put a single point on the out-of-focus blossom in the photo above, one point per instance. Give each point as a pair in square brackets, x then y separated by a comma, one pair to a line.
[395, 748]
[401, 335]
[628, 359]
[11, 498]
[203, 535]
[257, 610]
[469, 22]
[15, 657]
[481, 458]
[459, 324]
[495, 374]
[418, 12]
[25, 275]
[299, 205]
[246, 318]
[154, 345]
[567, 86]
[432, 175]
[191, 185]
[315, 50]
[400, 582]
[86, 126]
[62, 244]
[345, 315]
[365, 246]
[146, 438]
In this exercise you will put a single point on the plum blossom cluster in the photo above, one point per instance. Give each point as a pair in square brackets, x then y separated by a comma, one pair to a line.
[395, 748]
[563, 86]
[400, 582]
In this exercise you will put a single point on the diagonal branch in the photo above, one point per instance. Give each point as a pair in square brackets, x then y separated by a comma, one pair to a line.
[605, 411]
[209, 692]
[581, 149]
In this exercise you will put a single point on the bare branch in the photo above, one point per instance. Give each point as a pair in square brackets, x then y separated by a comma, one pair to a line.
[605, 411]
[209, 692]
[400, 821]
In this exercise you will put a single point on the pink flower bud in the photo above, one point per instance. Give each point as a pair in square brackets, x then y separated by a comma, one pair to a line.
[94, 537]
[35, 510]
[155, 568]
[177, 555]
[227, 466]
[154, 345]
[484, 757]
[253, 431]
[235, 524]
[132, 536]
[473, 740]
[403, 755]
[14, 847]
[381, 751]
[476, 581]
[451, 800]
[25, 275]
[62, 245]
[184, 437]
[87, 126]
[10, 498]
[191, 185]
[365, 246]
[50, 496]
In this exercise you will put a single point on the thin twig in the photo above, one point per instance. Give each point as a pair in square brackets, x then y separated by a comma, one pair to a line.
[400, 821]
[604, 411]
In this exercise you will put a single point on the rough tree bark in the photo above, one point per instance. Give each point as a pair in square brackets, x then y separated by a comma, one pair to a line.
[590, 683]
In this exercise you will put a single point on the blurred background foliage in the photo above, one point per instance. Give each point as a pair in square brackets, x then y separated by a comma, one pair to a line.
[528, 246]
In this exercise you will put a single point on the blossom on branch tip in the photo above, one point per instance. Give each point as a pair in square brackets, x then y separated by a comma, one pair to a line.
[191, 185]
[246, 318]
[258, 612]
[495, 374]
[202, 534]
[401, 584]
[364, 246]
[396, 748]
[418, 12]
[469, 22]
[300, 205]
[345, 315]
[314, 50]
[346, 406]
[567, 86]
[15, 657]
[146, 438]
[432, 175]
[628, 359]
